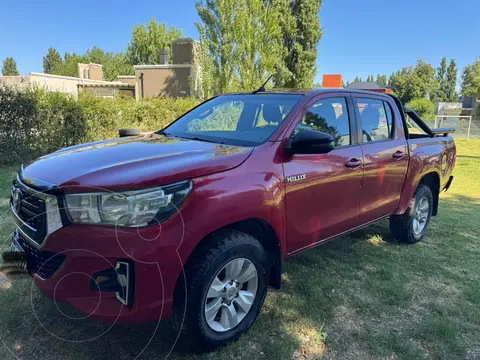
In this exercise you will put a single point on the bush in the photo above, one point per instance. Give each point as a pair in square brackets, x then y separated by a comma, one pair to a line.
[423, 107]
[37, 122]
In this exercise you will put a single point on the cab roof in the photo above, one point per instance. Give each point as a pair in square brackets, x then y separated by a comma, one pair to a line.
[311, 92]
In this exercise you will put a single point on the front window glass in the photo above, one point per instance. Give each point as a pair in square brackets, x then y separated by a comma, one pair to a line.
[245, 120]
[329, 115]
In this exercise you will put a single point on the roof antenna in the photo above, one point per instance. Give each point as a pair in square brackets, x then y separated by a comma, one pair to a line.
[262, 88]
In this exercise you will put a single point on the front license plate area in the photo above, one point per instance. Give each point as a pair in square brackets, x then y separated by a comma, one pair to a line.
[17, 255]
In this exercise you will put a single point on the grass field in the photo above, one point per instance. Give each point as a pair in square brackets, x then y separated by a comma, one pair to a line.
[359, 297]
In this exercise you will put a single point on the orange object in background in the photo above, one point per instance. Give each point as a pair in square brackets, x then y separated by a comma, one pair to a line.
[332, 81]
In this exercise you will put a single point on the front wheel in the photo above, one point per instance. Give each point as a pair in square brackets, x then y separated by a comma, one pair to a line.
[412, 226]
[226, 282]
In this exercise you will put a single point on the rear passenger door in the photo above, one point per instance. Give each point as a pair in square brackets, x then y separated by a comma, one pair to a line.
[323, 194]
[385, 155]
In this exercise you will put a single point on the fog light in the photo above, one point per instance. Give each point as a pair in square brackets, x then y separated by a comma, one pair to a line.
[124, 271]
[119, 280]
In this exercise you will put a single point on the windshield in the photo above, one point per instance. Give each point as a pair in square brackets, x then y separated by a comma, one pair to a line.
[244, 120]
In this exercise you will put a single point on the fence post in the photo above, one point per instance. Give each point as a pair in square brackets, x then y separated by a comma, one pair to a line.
[468, 131]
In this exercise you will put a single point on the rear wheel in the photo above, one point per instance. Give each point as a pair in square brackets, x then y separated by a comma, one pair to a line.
[412, 226]
[226, 286]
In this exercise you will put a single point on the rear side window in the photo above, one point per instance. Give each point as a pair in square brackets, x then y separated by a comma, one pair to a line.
[330, 116]
[376, 118]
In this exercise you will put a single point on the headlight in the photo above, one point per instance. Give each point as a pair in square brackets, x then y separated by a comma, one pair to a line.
[130, 208]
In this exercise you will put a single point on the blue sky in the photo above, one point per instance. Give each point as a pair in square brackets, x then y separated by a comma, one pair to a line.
[360, 37]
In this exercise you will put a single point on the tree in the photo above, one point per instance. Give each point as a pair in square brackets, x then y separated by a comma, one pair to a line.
[440, 93]
[114, 64]
[451, 82]
[471, 80]
[390, 78]
[147, 41]
[357, 79]
[414, 82]
[301, 33]
[218, 34]
[52, 60]
[259, 44]
[441, 71]
[382, 80]
[69, 66]
[9, 67]
[423, 107]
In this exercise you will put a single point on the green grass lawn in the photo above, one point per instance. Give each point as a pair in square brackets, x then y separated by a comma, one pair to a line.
[359, 297]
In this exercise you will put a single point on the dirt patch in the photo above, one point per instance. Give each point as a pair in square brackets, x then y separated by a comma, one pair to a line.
[4, 282]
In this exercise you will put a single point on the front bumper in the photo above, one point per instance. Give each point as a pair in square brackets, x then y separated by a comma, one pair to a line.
[87, 250]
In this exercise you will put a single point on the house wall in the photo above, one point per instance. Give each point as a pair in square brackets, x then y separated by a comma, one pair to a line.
[95, 72]
[162, 80]
[90, 71]
[66, 84]
[127, 79]
[49, 82]
[17, 81]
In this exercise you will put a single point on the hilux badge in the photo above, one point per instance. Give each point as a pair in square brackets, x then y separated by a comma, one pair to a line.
[296, 177]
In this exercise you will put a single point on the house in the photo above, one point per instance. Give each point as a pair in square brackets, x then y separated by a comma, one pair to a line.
[164, 79]
[90, 79]
[169, 79]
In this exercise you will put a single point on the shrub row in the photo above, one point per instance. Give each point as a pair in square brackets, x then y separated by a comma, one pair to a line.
[37, 122]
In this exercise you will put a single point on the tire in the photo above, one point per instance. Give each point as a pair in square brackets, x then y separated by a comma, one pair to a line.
[403, 227]
[129, 132]
[211, 258]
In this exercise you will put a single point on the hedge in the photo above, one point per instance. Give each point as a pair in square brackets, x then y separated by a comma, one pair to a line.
[423, 107]
[37, 122]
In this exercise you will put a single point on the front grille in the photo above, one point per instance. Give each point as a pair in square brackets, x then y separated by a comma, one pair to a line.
[42, 263]
[31, 210]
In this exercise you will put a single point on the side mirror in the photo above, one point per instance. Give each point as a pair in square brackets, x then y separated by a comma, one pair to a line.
[311, 142]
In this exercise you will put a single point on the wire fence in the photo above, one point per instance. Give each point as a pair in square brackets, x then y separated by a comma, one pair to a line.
[465, 126]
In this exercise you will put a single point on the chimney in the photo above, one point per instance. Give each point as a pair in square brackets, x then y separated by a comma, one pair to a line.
[164, 57]
[332, 81]
[182, 51]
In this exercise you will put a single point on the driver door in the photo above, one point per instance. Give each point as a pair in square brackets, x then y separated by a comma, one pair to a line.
[323, 190]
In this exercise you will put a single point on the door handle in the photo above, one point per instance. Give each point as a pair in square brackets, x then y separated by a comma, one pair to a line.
[353, 163]
[398, 154]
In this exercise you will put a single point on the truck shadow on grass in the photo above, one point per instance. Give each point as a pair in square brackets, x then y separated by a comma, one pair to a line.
[360, 296]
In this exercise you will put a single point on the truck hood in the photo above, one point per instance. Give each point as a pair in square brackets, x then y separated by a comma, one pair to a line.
[130, 163]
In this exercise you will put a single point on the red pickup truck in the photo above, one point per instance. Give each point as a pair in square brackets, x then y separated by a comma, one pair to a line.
[193, 222]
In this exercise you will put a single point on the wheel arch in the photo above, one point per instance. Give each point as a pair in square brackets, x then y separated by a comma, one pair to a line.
[432, 180]
[263, 232]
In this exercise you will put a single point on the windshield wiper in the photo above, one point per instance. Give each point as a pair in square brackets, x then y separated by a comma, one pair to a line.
[205, 140]
[162, 132]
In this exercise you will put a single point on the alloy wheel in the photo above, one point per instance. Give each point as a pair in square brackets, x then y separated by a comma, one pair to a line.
[231, 295]
[420, 216]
